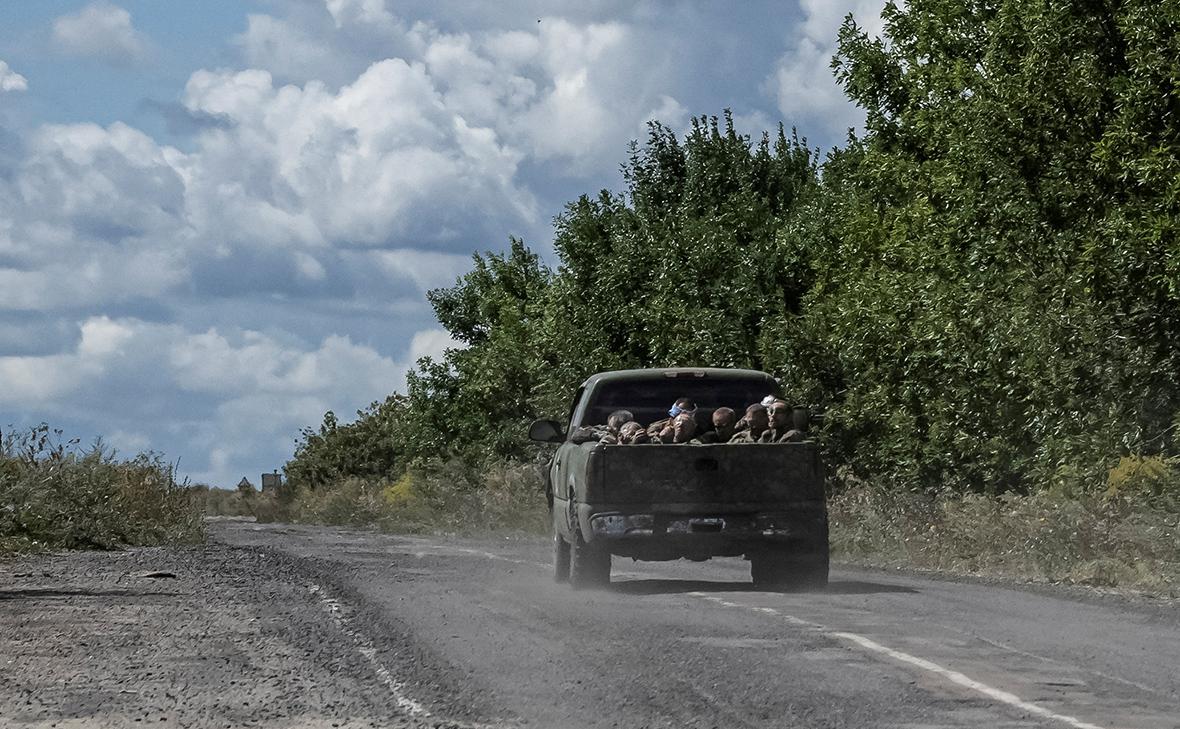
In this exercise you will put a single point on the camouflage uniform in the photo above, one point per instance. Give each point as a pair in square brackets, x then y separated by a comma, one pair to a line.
[683, 426]
[781, 435]
[723, 426]
[658, 427]
[631, 433]
[745, 436]
[587, 433]
[608, 433]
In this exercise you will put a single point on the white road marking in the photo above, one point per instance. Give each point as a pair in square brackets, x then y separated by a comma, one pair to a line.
[955, 677]
[861, 641]
[366, 649]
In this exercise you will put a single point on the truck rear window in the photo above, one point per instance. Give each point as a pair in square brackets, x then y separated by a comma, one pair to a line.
[649, 400]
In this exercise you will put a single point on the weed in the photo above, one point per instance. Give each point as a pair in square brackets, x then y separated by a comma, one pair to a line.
[54, 494]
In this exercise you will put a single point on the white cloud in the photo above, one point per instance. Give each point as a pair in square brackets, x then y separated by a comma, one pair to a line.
[285, 49]
[11, 80]
[102, 31]
[233, 399]
[803, 81]
[431, 343]
[555, 90]
[427, 269]
[379, 162]
[365, 12]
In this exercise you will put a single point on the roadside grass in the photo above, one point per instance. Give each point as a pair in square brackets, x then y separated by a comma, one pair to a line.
[436, 497]
[1122, 533]
[1107, 539]
[55, 495]
[226, 502]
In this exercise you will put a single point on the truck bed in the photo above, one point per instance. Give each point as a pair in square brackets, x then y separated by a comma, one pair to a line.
[720, 479]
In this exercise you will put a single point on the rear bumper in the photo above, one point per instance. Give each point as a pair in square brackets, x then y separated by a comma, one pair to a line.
[671, 536]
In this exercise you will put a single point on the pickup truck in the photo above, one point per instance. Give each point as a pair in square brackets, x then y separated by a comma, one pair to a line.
[763, 502]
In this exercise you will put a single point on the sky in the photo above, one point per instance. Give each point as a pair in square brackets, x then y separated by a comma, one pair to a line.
[219, 220]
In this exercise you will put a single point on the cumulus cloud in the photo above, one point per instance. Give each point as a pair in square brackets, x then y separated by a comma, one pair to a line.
[803, 81]
[570, 91]
[573, 93]
[11, 80]
[233, 398]
[102, 31]
[287, 50]
[352, 160]
[381, 162]
[92, 215]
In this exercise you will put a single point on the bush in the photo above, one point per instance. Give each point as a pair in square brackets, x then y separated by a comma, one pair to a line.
[435, 496]
[1090, 539]
[55, 495]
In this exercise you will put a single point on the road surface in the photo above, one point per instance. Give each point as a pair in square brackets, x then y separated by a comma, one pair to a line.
[299, 626]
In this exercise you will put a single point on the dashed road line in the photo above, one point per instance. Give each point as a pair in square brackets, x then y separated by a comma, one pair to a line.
[953, 676]
[366, 649]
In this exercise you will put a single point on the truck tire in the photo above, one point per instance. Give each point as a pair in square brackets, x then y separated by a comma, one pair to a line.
[787, 569]
[589, 565]
[561, 558]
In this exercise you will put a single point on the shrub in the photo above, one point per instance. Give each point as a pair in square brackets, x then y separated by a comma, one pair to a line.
[55, 495]
[434, 496]
[1083, 539]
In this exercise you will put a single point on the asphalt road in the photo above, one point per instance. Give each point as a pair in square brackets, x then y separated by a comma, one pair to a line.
[292, 626]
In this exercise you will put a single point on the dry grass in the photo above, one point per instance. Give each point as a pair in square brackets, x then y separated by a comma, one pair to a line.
[438, 497]
[55, 495]
[1090, 539]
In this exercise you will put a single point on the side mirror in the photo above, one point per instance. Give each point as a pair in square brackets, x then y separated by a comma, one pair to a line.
[546, 431]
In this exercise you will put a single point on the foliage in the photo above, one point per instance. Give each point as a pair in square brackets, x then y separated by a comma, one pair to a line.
[55, 495]
[982, 290]
[1042, 536]
[993, 305]
[432, 496]
[365, 448]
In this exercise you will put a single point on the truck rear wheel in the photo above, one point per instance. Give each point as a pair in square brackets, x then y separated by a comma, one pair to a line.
[589, 565]
[561, 558]
[787, 569]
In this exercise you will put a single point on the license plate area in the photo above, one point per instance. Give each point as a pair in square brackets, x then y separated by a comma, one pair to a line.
[706, 525]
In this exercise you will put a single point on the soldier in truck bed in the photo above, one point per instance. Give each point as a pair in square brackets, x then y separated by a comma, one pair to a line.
[757, 420]
[780, 430]
[683, 405]
[681, 431]
[632, 433]
[608, 433]
[724, 426]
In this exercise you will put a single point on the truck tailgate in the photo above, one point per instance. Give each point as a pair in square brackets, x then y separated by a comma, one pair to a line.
[725, 477]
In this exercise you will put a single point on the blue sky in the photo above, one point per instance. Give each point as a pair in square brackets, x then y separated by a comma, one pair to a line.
[218, 220]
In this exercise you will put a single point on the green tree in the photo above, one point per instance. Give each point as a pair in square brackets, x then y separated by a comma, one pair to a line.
[996, 300]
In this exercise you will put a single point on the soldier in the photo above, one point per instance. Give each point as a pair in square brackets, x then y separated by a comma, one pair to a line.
[614, 426]
[681, 431]
[780, 430]
[632, 433]
[724, 426]
[683, 405]
[603, 433]
[757, 421]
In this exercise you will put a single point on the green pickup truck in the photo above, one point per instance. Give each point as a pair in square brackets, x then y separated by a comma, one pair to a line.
[765, 502]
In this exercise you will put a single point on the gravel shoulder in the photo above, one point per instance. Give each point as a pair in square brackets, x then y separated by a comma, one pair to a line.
[215, 636]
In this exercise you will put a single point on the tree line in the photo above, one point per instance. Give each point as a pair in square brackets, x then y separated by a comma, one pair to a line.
[980, 290]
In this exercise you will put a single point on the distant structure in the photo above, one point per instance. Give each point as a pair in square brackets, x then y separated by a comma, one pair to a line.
[271, 482]
[245, 485]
